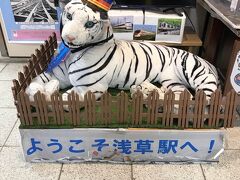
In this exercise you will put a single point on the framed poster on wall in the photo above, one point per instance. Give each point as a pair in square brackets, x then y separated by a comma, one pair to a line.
[28, 22]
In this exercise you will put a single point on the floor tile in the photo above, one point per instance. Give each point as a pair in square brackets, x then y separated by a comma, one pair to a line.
[14, 138]
[168, 172]
[6, 98]
[93, 171]
[232, 138]
[227, 168]
[8, 118]
[2, 65]
[10, 72]
[13, 166]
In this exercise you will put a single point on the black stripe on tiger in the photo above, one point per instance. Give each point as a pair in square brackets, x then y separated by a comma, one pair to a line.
[200, 73]
[101, 67]
[212, 82]
[42, 79]
[65, 65]
[147, 47]
[196, 65]
[123, 60]
[185, 74]
[149, 63]
[61, 69]
[165, 80]
[166, 48]
[207, 89]
[185, 57]
[128, 75]
[46, 77]
[134, 82]
[175, 60]
[184, 53]
[153, 80]
[134, 52]
[202, 82]
[174, 84]
[97, 92]
[90, 84]
[76, 3]
[83, 69]
[54, 74]
[161, 57]
[79, 58]
[173, 56]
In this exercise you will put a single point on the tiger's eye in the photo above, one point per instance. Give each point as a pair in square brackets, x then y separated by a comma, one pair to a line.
[89, 24]
[69, 16]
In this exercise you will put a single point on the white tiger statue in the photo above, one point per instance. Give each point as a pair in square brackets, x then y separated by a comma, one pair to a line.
[98, 61]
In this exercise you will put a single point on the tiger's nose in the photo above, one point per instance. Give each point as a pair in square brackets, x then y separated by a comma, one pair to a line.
[70, 38]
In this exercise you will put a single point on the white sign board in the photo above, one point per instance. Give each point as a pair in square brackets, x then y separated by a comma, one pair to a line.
[235, 76]
[121, 145]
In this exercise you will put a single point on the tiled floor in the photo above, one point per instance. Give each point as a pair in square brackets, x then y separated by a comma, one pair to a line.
[13, 165]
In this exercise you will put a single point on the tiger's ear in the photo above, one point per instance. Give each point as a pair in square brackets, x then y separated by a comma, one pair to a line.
[103, 15]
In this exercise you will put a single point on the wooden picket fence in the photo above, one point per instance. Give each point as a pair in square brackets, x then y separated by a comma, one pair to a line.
[120, 110]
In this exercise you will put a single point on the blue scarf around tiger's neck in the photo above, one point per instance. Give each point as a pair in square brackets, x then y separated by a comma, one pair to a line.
[63, 52]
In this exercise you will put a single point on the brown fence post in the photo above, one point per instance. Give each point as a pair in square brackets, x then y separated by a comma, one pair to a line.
[90, 108]
[153, 105]
[52, 47]
[40, 107]
[137, 108]
[31, 68]
[106, 109]
[72, 108]
[186, 112]
[26, 72]
[181, 110]
[28, 107]
[54, 113]
[55, 108]
[15, 88]
[22, 110]
[122, 110]
[48, 52]
[55, 40]
[168, 108]
[215, 108]
[21, 79]
[78, 106]
[61, 109]
[199, 109]
[232, 108]
[36, 64]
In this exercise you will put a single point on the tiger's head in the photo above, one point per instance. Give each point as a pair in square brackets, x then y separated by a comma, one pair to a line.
[82, 26]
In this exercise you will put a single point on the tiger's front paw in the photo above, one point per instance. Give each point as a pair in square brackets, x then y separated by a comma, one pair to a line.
[65, 98]
[147, 88]
[33, 88]
[51, 87]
